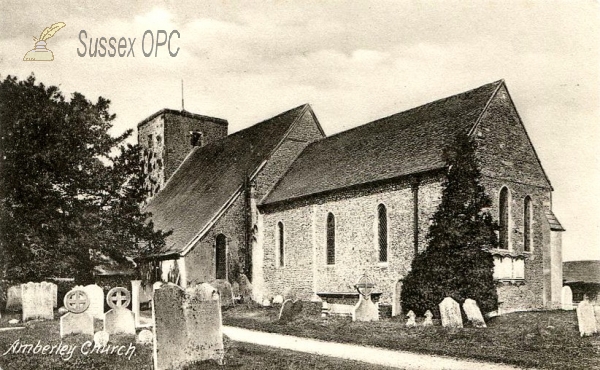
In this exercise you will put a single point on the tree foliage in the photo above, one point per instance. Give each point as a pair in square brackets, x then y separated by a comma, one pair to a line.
[69, 191]
[456, 262]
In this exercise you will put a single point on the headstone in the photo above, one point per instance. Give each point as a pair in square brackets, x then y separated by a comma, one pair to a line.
[235, 290]
[566, 298]
[54, 294]
[473, 313]
[180, 317]
[101, 338]
[450, 313]
[37, 301]
[266, 303]
[289, 310]
[13, 298]
[586, 318]
[136, 289]
[119, 320]
[145, 337]
[365, 310]
[289, 293]
[245, 288]
[96, 296]
[428, 319]
[13, 321]
[278, 299]
[411, 319]
[77, 320]
[224, 288]
[396, 303]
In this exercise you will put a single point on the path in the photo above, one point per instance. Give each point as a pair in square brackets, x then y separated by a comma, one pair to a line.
[377, 356]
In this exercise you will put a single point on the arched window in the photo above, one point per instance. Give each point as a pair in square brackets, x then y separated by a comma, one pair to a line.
[330, 239]
[280, 244]
[527, 224]
[382, 233]
[221, 257]
[504, 218]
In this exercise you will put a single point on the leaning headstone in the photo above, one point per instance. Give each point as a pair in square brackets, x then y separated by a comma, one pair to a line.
[450, 313]
[77, 320]
[365, 310]
[586, 318]
[245, 288]
[37, 301]
[101, 338]
[145, 337]
[224, 288]
[428, 319]
[566, 298]
[473, 313]
[411, 319]
[13, 298]
[180, 316]
[96, 296]
[119, 320]
[278, 299]
[289, 310]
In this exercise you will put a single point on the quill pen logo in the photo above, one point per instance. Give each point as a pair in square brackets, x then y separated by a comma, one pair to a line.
[40, 52]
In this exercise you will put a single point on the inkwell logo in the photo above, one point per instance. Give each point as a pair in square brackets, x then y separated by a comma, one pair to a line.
[40, 53]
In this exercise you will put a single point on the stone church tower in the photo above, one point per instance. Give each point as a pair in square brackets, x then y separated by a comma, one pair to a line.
[168, 136]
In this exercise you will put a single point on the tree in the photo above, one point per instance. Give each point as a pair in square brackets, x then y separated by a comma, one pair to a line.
[69, 191]
[457, 262]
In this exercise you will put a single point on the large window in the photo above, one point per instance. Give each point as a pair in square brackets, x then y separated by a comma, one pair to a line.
[527, 224]
[504, 218]
[221, 257]
[280, 244]
[330, 239]
[382, 233]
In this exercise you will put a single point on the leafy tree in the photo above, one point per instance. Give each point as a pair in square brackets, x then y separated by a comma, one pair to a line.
[456, 262]
[69, 191]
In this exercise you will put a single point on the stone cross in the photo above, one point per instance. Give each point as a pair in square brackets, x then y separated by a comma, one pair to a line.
[411, 319]
[428, 319]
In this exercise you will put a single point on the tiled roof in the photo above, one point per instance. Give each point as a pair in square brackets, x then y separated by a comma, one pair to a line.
[402, 144]
[211, 175]
[553, 221]
[581, 271]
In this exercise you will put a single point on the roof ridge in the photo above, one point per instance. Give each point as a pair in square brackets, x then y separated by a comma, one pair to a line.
[422, 106]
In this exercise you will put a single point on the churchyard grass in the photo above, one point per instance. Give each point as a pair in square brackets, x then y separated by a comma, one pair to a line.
[545, 339]
[240, 356]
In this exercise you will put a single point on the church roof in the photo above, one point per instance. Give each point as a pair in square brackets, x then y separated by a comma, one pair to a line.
[553, 221]
[402, 144]
[211, 175]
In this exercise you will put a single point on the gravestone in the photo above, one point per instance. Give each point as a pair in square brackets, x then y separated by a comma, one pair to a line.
[54, 294]
[36, 299]
[145, 337]
[365, 310]
[290, 310]
[586, 318]
[119, 320]
[77, 320]
[136, 289]
[13, 298]
[473, 313]
[188, 326]
[235, 290]
[224, 289]
[101, 338]
[428, 319]
[411, 319]
[566, 298]
[96, 296]
[266, 303]
[278, 299]
[450, 313]
[245, 288]
[396, 303]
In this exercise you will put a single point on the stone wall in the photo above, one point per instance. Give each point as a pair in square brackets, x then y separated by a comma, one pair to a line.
[151, 138]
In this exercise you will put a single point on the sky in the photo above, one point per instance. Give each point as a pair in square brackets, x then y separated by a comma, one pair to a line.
[352, 61]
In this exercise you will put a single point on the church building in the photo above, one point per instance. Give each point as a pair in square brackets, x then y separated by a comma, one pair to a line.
[293, 208]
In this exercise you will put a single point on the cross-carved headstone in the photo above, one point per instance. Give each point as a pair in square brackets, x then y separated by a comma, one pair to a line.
[77, 320]
[365, 309]
[188, 326]
[411, 319]
[119, 320]
[473, 313]
[428, 319]
[450, 313]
